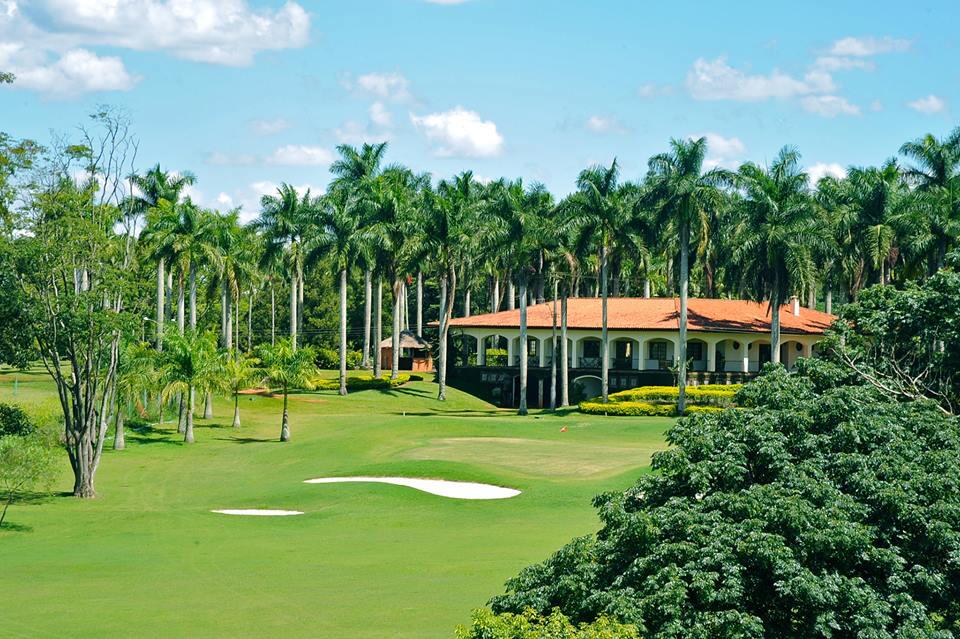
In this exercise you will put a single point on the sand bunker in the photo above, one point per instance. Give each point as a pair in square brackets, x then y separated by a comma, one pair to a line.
[258, 512]
[441, 487]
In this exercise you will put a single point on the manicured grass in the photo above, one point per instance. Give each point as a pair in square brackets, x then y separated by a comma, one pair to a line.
[148, 559]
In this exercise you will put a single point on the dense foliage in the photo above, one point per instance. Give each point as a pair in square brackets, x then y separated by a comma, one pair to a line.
[825, 510]
[15, 421]
[662, 401]
[530, 625]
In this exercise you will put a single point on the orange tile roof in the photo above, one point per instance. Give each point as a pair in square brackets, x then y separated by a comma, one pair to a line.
[659, 313]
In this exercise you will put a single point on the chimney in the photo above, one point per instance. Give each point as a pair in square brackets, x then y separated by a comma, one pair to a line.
[795, 304]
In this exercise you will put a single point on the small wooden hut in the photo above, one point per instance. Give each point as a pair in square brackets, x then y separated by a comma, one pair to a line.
[415, 353]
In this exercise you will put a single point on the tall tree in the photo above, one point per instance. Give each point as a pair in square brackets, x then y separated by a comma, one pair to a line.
[289, 369]
[682, 194]
[776, 233]
[189, 364]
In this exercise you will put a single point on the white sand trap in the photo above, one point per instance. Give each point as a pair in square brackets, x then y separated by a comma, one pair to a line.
[441, 487]
[258, 512]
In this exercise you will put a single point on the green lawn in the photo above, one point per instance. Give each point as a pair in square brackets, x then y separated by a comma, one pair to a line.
[148, 559]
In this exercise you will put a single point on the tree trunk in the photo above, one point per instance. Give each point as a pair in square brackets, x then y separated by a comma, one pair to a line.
[604, 333]
[273, 315]
[564, 363]
[300, 287]
[285, 422]
[684, 288]
[293, 310]
[249, 323]
[119, 436]
[181, 306]
[188, 432]
[161, 290]
[510, 293]
[495, 295]
[812, 296]
[378, 327]
[646, 287]
[343, 331]
[466, 303]
[193, 297]
[182, 415]
[228, 315]
[775, 323]
[236, 410]
[419, 302]
[448, 293]
[395, 338]
[367, 291]
[553, 350]
[828, 300]
[523, 347]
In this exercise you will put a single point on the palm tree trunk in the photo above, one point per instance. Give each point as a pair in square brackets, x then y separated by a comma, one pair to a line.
[193, 297]
[775, 323]
[523, 347]
[448, 293]
[249, 323]
[395, 338]
[293, 310]
[182, 415]
[285, 422]
[553, 350]
[646, 287]
[828, 300]
[604, 333]
[161, 289]
[181, 306]
[466, 303]
[300, 287]
[564, 363]
[119, 436]
[343, 331]
[495, 295]
[419, 302]
[378, 327]
[236, 410]
[684, 288]
[510, 293]
[273, 315]
[367, 292]
[188, 431]
[228, 316]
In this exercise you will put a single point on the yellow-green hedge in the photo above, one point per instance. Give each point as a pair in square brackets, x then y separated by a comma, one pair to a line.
[706, 394]
[639, 409]
[363, 383]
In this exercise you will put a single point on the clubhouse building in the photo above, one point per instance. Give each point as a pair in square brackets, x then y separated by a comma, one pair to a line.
[728, 341]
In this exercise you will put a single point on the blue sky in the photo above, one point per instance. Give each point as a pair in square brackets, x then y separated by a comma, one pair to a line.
[249, 93]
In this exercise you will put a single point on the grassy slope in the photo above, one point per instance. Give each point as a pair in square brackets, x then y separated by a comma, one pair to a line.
[147, 559]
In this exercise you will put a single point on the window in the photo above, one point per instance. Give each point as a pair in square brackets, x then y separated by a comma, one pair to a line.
[695, 351]
[591, 348]
[658, 351]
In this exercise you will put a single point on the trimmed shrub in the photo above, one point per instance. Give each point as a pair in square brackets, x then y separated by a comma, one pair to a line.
[329, 358]
[706, 394]
[627, 409]
[15, 421]
[364, 383]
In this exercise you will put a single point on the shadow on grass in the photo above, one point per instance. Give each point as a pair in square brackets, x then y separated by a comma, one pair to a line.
[146, 441]
[440, 412]
[247, 440]
[11, 526]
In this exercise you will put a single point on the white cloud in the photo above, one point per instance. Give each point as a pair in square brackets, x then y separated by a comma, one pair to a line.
[216, 31]
[651, 90]
[270, 126]
[300, 155]
[839, 63]
[928, 105]
[723, 151]
[823, 169]
[248, 198]
[717, 80]
[459, 132]
[76, 71]
[603, 124]
[353, 132]
[829, 106]
[380, 116]
[382, 86]
[219, 158]
[862, 47]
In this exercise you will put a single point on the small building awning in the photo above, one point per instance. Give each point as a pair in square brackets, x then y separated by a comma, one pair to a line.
[407, 340]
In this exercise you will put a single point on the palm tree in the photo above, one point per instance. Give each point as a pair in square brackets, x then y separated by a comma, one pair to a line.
[238, 373]
[776, 233]
[136, 373]
[355, 172]
[153, 186]
[934, 220]
[877, 197]
[189, 364]
[337, 237]
[283, 220]
[681, 195]
[287, 368]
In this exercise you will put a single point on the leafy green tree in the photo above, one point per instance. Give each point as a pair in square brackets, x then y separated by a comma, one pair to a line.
[238, 372]
[288, 369]
[189, 364]
[775, 235]
[682, 195]
[137, 373]
[531, 625]
[824, 509]
[26, 463]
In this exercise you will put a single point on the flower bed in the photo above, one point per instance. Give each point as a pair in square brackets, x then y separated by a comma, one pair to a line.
[661, 401]
[366, 383]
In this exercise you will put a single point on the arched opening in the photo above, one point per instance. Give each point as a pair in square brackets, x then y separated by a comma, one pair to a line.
[659, 354]
[730, 354]
[697, 354]
[495, 350]
[790, 352]
[585, 387]
[758, 353]
[463, 350]
[589, 355]
[625, 355]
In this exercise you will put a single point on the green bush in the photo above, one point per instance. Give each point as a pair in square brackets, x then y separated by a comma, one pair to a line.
[627, 409]
[365, 383]
[15, 421]
[329, 358]
[496, 357]
[706, 394]
[531, 625]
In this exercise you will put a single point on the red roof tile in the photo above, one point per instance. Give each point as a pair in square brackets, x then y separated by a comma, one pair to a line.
[659, 313]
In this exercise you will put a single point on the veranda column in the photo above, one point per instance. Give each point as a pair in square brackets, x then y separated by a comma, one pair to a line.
[641, 358]
[574, 352]
[807, 350]
[510, 352]
[481, 352]
[541, 351]
[746, 357]
[711, 357]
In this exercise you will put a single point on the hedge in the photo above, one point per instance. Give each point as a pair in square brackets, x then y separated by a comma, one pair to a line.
[366, 383]
[639, 409]
[705, 394]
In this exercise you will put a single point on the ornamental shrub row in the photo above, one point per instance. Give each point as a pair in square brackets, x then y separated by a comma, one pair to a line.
[706, 394]
[366, 383]
[639, 409]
